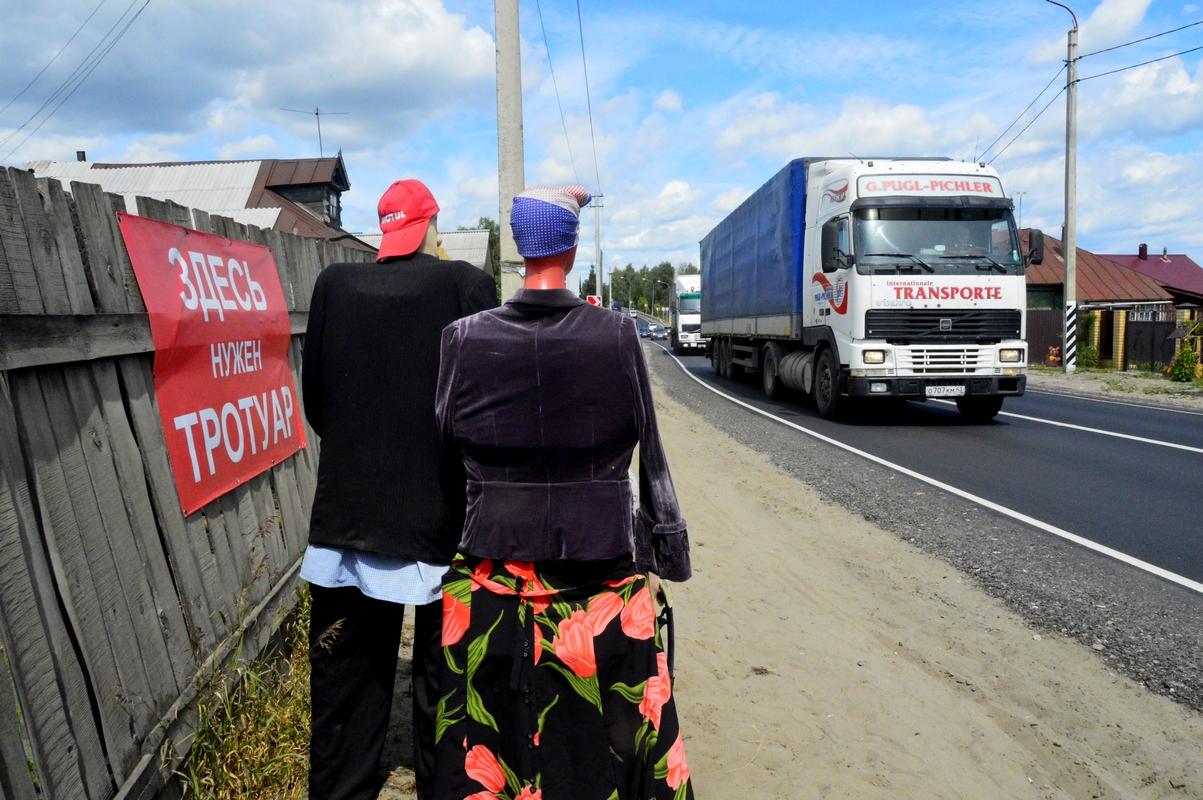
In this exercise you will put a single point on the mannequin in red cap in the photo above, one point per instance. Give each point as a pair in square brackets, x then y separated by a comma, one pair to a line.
[389, 506]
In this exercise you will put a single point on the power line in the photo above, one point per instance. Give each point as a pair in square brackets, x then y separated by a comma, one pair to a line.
[998, 155]
[82, 78]
[551, 66]
[588, 100]
[49, 63]
[1138, 41]
[1141, 64]
[79, 68]
[1021, 113]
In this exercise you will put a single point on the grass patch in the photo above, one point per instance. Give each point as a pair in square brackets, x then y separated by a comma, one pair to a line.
[252, 735]
[1117, 385]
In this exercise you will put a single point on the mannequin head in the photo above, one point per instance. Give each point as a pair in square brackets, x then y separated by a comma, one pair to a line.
[545, 221]
[407, 217]
[431, 242]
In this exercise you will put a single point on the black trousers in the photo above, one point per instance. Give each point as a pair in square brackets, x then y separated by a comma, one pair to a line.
[353, 643]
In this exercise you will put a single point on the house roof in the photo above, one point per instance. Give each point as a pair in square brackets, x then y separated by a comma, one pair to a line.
[1176, 272]
[470, 246]
[236, 189]
[1098, 280]
[301, 171]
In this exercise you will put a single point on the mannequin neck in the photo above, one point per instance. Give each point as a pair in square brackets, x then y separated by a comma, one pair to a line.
[549, 272]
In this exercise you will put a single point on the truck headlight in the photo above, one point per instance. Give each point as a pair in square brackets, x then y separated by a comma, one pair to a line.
[1010, 355]
[874, 356]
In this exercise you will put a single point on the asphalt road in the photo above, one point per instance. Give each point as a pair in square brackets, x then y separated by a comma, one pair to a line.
[1135, 495]
[1117, 484]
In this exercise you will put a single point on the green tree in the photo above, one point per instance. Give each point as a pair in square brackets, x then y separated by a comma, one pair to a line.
[688, 269]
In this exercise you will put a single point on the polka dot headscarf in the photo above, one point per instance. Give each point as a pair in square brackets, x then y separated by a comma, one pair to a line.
[545, 219]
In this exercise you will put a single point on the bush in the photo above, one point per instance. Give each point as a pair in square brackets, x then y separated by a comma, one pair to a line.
[1088, 357]
[1183, 367]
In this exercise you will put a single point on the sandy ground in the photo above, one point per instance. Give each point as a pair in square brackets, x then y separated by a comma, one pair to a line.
[819, 656]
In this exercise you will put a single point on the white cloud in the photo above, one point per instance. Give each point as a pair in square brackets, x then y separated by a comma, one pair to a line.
[726, 201]
[668, 100]
[155, 147]
[259, 146]
[1111, 22]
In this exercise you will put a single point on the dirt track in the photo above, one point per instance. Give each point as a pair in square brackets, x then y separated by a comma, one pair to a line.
[819, 656]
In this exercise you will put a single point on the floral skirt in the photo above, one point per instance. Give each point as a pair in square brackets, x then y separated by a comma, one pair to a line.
[554, 686]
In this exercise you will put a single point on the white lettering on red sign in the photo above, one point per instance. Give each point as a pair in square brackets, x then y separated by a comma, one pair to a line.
[204, 285]
[272, 422]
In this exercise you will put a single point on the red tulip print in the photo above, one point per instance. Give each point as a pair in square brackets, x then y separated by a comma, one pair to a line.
[639, 616]
[482, 766]
[574, 644]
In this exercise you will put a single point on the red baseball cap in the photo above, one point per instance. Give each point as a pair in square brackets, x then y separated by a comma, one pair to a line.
[405, 210]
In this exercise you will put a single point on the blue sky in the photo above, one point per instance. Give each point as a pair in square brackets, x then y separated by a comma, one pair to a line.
[695, 104]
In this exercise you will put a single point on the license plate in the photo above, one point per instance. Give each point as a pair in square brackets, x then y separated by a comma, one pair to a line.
[944, 391]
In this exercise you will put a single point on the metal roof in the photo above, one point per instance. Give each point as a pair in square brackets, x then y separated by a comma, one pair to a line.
[1175, 271]
[218, 187]
[1097, 281]
[470, 246]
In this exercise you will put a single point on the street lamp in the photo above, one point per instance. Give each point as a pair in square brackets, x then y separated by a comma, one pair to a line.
[654, 282]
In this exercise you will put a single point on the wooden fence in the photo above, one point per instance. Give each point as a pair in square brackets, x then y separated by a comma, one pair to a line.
[114, 607]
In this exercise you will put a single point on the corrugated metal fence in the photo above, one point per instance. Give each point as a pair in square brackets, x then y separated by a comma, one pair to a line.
[113, 605]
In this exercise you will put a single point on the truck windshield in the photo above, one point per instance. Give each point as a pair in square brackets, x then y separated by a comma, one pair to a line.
[691, 303]
[947, 241]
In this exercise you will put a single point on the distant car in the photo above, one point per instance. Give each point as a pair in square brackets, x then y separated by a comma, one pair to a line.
[658, 331]
[634, 313]
[645, 330]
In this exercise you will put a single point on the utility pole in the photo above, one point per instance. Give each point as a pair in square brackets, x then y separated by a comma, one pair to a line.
[597, 202]
[511, 169]
[1070, 240]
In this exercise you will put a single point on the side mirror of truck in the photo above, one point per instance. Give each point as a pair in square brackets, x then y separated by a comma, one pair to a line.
[1035, 246]
[831, 256]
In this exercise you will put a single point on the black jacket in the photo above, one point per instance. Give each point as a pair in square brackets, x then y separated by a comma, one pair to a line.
[546, 398]
[368, 381]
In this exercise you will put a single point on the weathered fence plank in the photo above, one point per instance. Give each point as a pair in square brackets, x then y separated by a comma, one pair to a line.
[65, 750]
[16, 781]
[57, 208]
[47, 267]
[194, 566]
[20, 278]
[40, 340]
[100, 242]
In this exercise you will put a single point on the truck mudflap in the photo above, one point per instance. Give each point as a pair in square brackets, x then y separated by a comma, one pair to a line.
[923, 388]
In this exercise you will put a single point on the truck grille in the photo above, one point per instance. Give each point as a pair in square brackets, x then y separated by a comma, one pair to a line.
[942, 325]
[943, 360]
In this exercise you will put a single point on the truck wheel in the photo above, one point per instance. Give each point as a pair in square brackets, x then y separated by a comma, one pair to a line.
[770, 380]
[979, 409]
[826, 390]
[715, 356]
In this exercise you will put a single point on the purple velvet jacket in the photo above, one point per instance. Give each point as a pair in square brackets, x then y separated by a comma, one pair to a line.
[545, 398]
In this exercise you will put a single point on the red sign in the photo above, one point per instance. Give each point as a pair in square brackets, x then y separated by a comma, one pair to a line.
[220, 326]
[594, 299]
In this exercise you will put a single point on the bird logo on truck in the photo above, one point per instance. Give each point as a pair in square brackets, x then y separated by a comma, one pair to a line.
[836, 295]
[835, 193]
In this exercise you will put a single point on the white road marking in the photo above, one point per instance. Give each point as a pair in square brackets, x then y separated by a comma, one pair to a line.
[1149, 406]
[1099, 431]
[1102, 549]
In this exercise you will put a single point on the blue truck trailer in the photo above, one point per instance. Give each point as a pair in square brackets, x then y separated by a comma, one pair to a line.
[882, 277]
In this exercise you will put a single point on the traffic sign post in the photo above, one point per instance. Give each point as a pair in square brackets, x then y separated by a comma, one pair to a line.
[594, 299]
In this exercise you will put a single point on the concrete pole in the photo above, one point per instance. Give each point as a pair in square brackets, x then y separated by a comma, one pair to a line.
[511, 169]
[1069, 348]
[597, 252]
